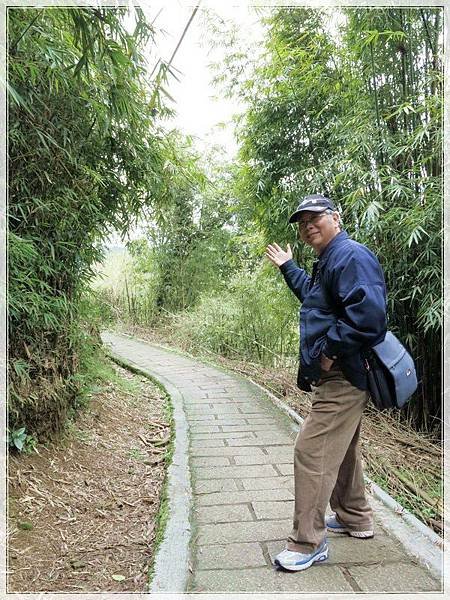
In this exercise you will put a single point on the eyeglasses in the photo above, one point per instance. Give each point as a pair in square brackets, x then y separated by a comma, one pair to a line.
[302, 225]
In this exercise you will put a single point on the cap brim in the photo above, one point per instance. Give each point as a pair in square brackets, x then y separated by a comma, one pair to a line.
[295, 216]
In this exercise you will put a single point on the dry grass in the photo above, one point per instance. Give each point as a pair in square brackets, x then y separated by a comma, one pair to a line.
[82, 512]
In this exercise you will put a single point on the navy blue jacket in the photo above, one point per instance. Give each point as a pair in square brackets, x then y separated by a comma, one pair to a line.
[343, 309]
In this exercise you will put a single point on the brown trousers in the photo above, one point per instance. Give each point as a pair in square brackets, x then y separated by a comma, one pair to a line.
[327, 464]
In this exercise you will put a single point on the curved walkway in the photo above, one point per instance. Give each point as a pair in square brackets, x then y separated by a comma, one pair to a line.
[239, 454]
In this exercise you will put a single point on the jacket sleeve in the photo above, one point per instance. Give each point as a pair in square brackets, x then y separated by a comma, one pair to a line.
[358, 288]
[296, 278]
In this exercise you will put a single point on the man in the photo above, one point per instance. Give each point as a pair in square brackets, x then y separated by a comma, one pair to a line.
[343, 312]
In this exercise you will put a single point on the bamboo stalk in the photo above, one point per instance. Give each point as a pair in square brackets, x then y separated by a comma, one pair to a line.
[435, 503]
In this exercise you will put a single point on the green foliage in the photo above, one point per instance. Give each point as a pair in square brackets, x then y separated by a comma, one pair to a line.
[19, 440]
[254, 318]
[413, 502]
[137, 454]
[188, 249]
[191, 247]
[85, 157]
[93, 372]
[352, 110]
[355, 113]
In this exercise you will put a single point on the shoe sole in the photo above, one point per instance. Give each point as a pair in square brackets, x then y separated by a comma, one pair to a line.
[362, 535]
[318, 558]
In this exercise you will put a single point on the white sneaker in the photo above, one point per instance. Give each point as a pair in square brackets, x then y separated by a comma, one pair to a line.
[334, 525]
[297, 561]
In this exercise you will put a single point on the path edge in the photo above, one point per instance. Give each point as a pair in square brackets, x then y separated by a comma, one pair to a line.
[171, 575]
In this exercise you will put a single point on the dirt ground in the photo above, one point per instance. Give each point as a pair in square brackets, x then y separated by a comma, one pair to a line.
[81, 513]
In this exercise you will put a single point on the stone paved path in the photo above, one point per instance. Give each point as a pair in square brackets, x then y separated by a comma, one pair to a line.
[240, 454]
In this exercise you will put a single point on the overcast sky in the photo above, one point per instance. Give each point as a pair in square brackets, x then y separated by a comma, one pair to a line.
[198, 113]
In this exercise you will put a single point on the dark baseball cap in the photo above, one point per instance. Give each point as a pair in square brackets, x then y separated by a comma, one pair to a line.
[313, 203]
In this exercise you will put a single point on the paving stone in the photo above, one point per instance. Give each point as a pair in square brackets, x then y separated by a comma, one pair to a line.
[346, 549]
[273, 510]
[243, 496]
[201, 417]
[211, 419]
[210, 461]
[239, 391]
[207, 443]
[223, 514]
[253, 459]
[222, 409]
[278, 455]
[209, 487]
[265, 459]
[232, 472]
[268, 483]
[394, 577]
[192, 402]
[319, 578]
[227, 421]
[282, 454]
[251, 409]
[225, 408]
[276, 441]
[236, 395]
[204, 429]
[247, 531]
[231, 544]
[279, 434]
[245, 435]
[169, 369]
[248, 427]
[190, 384]
[286, 469]
[230, 556]
[202, 399]
[191, 389]
[225, 451]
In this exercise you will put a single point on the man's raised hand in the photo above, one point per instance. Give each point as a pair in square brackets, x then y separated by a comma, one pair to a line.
[277, 255]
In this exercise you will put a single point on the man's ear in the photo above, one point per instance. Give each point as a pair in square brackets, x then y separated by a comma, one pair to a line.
[337, 219]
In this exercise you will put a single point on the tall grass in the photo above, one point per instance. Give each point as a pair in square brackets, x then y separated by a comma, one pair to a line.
[253, 316]
[130, 294]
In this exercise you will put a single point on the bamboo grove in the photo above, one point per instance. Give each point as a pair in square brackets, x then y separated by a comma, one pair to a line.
[355, 111]
[85, 158]
[346, 103]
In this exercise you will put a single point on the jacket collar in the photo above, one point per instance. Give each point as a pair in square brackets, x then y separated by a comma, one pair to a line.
[336, 241]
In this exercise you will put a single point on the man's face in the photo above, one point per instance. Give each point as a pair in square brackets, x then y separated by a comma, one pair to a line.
[318, 229]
